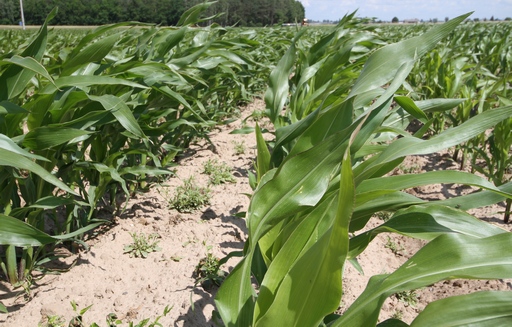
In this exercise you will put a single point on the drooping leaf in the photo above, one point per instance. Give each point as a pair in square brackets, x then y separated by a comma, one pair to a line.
[488, 309]
[454, 255]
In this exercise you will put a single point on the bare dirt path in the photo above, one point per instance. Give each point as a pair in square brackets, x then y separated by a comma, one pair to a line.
[136, 288]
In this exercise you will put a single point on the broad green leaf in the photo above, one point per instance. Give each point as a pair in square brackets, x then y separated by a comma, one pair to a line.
[403, 182]
[16, 160]
[415, 146]
[488, 309]
[15, 78]
[479, 199]
[30, 64]
[301, 299]
[7, 144]
[175, 95]
[91, 53]
[392, 323]
[454, 255]
[191, 16]
[83, 81]
[383, 63]
[301, 236]
[10, 108]
[408, 105]
[427, 223]
[18, 233]
[172, 38]
[277, 91]
[43, 138]
[121, 111]
[183, 62]
[263, 155]
[235, 298]
[3, 308]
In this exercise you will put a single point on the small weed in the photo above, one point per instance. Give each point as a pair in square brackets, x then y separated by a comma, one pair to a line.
[383, 215]
[219, 172]
[146, 322]
[409, 169]
[190, 197]
[52, 321]
[77, 320]
[239, 147]
[176, 258]
[408, 298]
[112, 320]
[142, 245]
[208, 271]
[398, 314]
[394, 247]
[187, 243]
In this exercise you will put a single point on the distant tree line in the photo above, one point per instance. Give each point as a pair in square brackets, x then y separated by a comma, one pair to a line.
[164, 12]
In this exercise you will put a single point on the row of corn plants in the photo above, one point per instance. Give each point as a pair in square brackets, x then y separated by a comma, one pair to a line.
[473, 64]
[325, 174]
[88, 119]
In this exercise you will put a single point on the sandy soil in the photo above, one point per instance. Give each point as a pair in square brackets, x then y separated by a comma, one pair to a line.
[136, 288]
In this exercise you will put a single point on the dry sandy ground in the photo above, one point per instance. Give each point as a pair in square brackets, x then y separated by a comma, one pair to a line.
[137, 288]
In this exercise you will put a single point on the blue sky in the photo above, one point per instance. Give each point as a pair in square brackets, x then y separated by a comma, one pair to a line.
[406, 9]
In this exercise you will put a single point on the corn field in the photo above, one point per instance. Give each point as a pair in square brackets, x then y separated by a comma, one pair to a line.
[88, 118]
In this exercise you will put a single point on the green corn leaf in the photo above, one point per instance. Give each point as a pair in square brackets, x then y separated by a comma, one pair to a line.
[3, 308]
[454, 255]
[141, 170]
[479, 199]
[172, 38]
[18, 233]
[181, 63]
[16, 160]
[263, 156]
[30, 64]
[83, 81]
[277, 91]
[10, 108]
[120, 110]
[488, 309]
[403, 182]
[425, 222]
[93, 52]
[15, 78]
[295, 239]
[42, 138]
[8, 144]
[172, 94]
[408, 105]
[235, 298]
[191, 16]
[99, 31]
[382, 65]
[318, 269]
[11, 261]
[414, 146]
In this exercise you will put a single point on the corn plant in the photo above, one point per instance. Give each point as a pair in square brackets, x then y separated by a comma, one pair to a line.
[330, 178]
